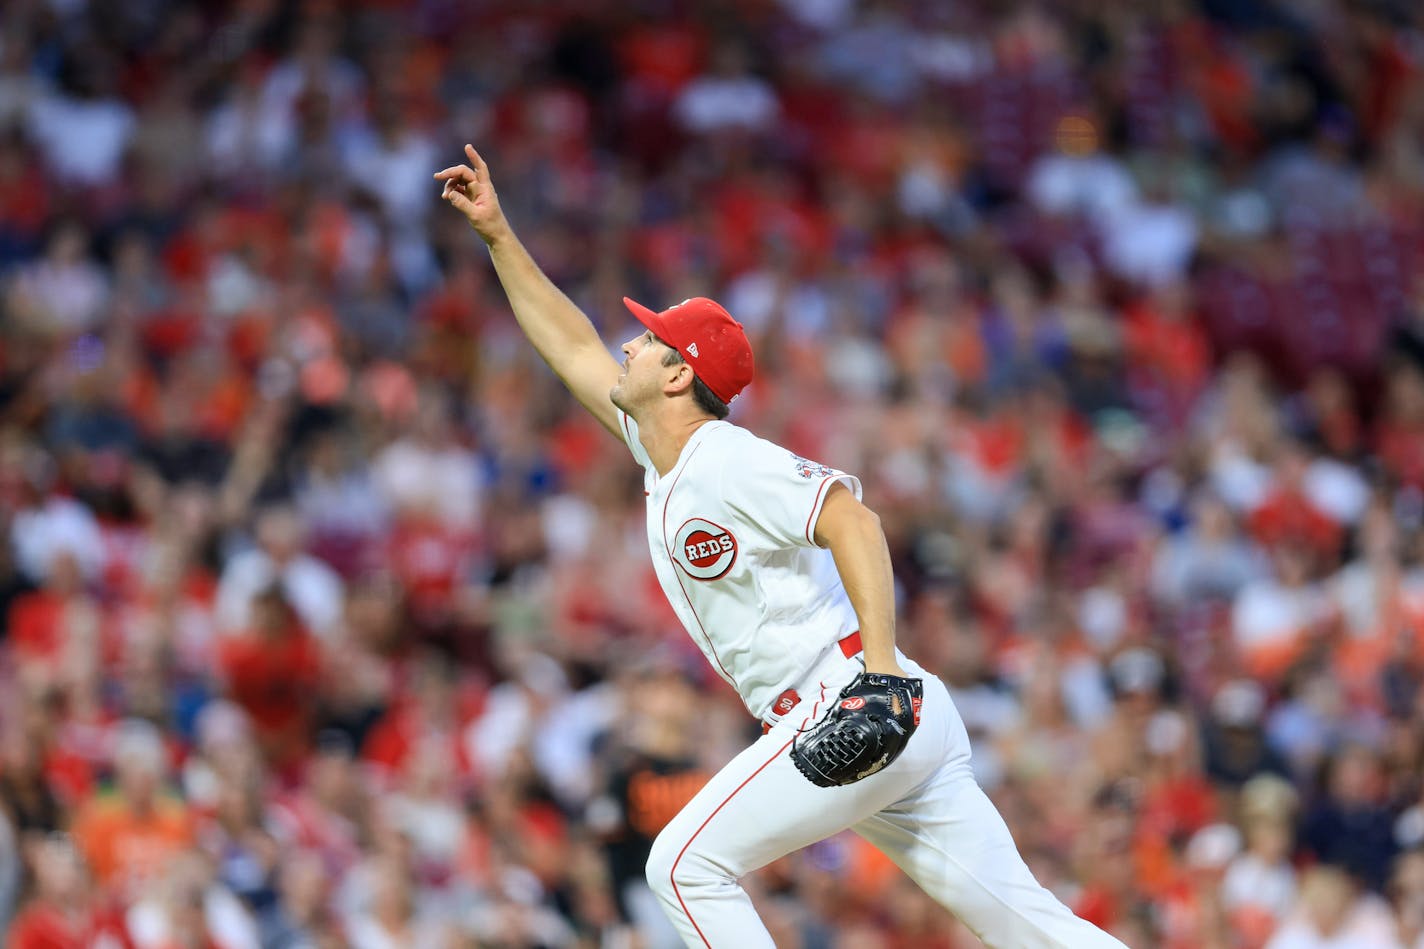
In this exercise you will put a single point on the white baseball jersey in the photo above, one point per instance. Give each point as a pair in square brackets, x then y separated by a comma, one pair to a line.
[730, 529]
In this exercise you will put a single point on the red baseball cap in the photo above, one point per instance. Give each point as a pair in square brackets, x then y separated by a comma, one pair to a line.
[714, 344]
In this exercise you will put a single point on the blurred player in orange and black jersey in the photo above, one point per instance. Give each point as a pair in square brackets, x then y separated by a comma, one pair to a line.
[656, 773]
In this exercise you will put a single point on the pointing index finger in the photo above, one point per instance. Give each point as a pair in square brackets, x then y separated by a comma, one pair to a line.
[477, 161]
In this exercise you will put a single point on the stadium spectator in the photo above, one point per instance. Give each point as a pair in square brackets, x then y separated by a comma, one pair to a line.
[130, 839]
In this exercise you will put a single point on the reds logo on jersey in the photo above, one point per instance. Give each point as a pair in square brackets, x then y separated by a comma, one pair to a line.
[704, 550]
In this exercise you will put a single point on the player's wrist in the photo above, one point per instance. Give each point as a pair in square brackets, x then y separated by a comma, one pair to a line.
[496, 234]
[893, 672]
[885, 665]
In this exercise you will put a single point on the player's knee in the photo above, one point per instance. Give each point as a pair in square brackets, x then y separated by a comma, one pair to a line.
[660, 866]
[675, 865]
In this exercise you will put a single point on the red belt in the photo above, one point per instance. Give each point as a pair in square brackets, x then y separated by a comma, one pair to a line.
[786, 701]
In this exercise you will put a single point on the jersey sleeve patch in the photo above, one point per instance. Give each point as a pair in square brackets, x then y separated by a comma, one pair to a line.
[809, 469]
[774, 495]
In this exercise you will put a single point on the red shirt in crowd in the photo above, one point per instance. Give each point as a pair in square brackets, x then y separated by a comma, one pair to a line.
[1287, 517]
[274, 679]
[42, 925]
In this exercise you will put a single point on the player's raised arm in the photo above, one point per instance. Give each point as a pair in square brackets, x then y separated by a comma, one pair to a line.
[559, 330]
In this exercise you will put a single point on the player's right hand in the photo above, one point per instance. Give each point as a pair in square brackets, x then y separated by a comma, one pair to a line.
[469, 189]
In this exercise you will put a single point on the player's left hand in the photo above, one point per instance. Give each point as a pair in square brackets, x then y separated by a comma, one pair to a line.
[867, 728]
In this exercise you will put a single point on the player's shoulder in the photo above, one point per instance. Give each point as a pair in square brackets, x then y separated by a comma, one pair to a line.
[738, 450]
[733, 446]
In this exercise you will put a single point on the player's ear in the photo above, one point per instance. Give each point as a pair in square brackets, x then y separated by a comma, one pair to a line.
[679, 379]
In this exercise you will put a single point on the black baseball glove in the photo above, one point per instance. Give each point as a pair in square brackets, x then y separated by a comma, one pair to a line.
[865, 730]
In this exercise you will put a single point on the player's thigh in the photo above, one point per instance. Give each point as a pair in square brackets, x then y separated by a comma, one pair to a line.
[760, 807]
[949, 839]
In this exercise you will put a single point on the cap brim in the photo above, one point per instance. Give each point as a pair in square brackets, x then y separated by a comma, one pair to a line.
[649, 318]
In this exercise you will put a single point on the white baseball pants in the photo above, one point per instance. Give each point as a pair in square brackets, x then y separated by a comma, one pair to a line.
[925, 812]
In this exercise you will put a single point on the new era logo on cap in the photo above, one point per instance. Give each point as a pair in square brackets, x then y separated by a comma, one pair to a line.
[700, 329]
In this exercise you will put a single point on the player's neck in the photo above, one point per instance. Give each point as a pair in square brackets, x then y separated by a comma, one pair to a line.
[665, 435]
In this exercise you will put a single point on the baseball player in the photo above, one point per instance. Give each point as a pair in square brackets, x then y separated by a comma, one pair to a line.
[782, 578]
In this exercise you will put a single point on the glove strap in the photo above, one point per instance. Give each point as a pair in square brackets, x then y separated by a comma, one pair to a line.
[885, 681]
[914, 689]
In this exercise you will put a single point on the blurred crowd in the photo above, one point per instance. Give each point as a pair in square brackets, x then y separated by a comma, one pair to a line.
[328, 616]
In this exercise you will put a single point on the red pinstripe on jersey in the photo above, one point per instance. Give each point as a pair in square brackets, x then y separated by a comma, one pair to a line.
[676, 573]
